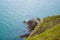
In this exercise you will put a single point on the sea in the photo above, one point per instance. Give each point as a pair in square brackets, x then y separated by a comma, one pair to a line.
[14, 12]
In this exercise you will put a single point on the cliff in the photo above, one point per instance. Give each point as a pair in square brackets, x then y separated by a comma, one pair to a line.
[48, 29]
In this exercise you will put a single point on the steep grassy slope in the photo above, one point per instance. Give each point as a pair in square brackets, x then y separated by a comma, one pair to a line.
[46, 24]
[50, 34]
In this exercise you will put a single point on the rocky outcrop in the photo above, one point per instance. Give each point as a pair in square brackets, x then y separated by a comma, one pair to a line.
[31, 24]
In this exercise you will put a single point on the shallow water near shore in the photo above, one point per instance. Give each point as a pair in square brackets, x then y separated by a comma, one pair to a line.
[14, 12]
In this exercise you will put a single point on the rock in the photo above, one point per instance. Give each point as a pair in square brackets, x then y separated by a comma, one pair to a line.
[30, 24]
[25, 35]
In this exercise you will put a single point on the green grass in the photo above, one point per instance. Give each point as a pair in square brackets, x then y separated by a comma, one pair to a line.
[50, 34]
[51, 18]
[49, 29]
[47, 23]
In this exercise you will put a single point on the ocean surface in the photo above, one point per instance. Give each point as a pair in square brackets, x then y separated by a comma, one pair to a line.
[14, 12]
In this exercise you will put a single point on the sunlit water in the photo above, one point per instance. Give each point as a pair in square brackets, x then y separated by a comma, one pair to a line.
[14, 12]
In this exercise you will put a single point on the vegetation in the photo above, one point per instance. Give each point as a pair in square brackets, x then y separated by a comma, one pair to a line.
[51, 34]
[47, 30]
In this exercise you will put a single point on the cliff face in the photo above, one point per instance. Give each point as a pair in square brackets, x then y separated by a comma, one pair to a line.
[47, 29]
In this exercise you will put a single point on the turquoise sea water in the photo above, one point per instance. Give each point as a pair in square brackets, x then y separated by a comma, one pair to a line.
[14, 12]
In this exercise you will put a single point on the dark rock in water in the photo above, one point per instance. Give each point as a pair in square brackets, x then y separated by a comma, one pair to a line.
[25, 35]
[31, 24]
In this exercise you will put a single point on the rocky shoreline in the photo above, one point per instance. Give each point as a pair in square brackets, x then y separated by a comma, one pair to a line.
[41, 26]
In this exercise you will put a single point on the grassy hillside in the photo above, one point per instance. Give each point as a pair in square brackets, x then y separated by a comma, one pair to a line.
[46, 24]
[50, 34]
